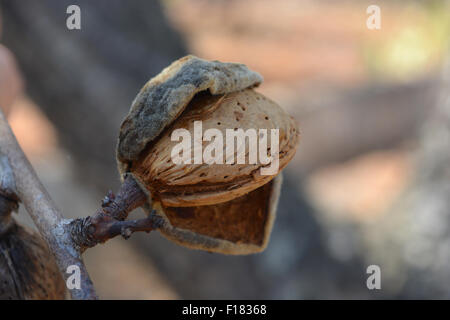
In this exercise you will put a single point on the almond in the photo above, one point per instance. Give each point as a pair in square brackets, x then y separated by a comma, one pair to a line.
[219, 207]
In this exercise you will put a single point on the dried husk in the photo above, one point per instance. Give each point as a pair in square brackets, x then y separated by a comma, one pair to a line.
[164, 97]
[239, 226]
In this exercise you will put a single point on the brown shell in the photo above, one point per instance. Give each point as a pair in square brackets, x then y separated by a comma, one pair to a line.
[27, 268]
[205, 184]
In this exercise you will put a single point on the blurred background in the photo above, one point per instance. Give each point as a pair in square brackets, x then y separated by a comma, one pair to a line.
[370, 183]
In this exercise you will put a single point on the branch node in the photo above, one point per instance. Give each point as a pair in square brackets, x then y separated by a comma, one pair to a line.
[109, 221]
[108, 199]
[126, 233]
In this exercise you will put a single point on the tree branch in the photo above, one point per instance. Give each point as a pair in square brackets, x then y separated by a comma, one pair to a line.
[9, 201]
[68, 238]
[108, 221]
[44, 213]
[88, 232]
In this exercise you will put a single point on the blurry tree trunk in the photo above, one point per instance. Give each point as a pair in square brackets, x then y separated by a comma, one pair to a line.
[415, 234]
[337, 126]
[10, 80]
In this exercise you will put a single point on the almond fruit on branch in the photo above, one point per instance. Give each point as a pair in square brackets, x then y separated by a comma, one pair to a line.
[224, 206]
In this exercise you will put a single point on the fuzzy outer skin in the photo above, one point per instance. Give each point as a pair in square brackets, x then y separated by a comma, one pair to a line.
[164, 97]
